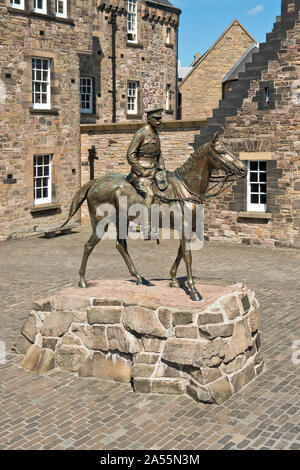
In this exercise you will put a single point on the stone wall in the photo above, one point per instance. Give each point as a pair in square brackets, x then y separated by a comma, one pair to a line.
[157, 339]
[26, 132]
[111, 142]
[260, 130]
[80, 45]
[201, 90]
[150, 62]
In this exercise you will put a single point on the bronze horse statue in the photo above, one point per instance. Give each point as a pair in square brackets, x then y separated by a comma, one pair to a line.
[189, 184]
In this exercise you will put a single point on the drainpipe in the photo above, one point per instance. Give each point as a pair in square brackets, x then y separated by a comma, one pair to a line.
[92, 157]
[113, 61]
[177, 88]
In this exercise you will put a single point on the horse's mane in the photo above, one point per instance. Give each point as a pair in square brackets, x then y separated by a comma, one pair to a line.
[191, 161]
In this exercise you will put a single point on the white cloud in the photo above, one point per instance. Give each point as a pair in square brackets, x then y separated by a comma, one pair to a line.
[255, 10]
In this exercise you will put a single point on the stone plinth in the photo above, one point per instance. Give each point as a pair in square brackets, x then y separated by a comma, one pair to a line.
[152, 336]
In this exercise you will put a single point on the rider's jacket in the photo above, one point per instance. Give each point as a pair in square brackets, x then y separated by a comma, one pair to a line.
[144, 153]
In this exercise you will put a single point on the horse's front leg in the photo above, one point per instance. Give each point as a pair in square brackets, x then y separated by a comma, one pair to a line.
[187, 256]
[174, 282]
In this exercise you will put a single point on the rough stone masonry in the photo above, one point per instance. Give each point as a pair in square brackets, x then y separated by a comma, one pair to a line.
[164, 343]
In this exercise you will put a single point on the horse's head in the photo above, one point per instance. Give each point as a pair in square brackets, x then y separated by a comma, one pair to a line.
[223, 158]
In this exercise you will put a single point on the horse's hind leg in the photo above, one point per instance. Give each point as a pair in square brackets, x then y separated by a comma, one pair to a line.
[187, 256]
[174, 282]
[88, 248]
[122, 249]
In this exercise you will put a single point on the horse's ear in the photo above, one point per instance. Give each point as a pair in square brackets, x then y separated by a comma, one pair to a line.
[215, 137]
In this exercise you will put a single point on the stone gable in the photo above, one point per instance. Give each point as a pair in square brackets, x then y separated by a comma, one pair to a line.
[201, 90]
[262, 129]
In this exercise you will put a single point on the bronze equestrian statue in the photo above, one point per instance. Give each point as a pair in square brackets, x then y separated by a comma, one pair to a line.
[188, 184]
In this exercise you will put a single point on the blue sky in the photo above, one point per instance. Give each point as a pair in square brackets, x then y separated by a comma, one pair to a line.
[203, 21]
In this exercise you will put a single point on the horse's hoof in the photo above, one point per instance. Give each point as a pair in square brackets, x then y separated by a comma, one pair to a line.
[82, 284]
[196, 297]
[139, 280]
[174, 284]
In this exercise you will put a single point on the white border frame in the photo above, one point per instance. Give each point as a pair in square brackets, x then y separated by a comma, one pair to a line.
[41, 10]
[250, 206]
[134, 31]
[65, 12]
[18, 7]
[48, 104]
[90, 110]
[135, 110]
[43, 200]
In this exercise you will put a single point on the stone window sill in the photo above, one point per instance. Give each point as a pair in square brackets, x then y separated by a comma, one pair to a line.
[10, 181]
[33, 14]
[169, 111]
[135, 45]
[134, 116]
[171, 46]
[255, 215]
[44, 207]
[53, 111]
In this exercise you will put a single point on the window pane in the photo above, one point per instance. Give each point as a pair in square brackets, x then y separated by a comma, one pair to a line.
[254, 198]
[45, 192]
[263, 177]
[263, 166]
[253, 166]
[39, 171]
[263, 188]
[263, 199]
[253, 177]
[254, 188]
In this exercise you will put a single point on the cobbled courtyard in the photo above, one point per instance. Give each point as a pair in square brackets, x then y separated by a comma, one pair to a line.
[61, 411]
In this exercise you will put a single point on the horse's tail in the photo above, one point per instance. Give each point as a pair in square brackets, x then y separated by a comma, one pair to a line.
[78, 200]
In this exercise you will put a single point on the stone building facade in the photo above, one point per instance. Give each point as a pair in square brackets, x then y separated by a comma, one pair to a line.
[201, 89]
[261, 115]
[56, 72]
[132, 71]
[40, 132]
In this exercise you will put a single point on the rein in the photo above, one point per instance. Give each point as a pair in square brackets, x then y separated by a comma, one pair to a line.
[199, 198]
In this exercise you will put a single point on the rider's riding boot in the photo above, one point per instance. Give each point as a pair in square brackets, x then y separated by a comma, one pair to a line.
[146, 228]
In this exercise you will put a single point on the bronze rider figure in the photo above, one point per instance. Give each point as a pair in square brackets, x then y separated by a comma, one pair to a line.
[145, 159]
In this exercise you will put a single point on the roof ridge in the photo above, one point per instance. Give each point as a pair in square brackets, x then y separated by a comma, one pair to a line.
[214, 45]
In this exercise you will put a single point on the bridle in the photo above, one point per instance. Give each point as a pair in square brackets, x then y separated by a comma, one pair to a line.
[226, 181]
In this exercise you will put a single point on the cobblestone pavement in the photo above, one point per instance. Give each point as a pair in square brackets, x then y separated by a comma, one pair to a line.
[60, 411]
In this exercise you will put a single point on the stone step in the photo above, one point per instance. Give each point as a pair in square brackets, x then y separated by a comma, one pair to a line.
[270, 46]
[215, 121]
[250, 74]
[230, 102]
[224, 112]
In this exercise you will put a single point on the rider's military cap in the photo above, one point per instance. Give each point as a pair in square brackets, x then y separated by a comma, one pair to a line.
[153, 111]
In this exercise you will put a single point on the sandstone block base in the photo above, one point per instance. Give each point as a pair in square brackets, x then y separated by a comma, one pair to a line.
[153, 337]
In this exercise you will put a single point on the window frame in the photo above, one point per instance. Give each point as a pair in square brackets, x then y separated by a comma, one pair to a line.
[42, 200]
[135, 110]
[46, 105]
[19, 7]
[40, 10]
[65, 12]
[134, 20]
[91, 108]
[168, 97]
[257, 207]
[168, 35]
